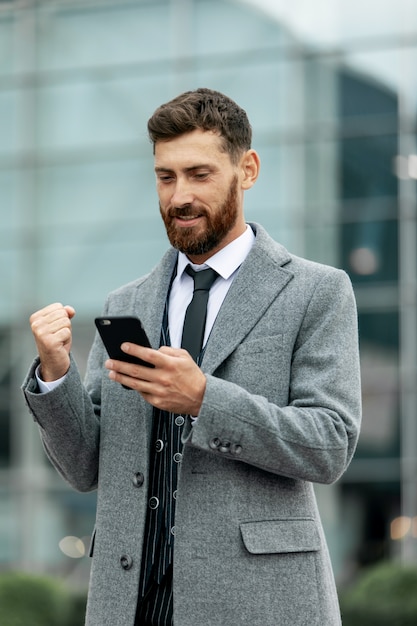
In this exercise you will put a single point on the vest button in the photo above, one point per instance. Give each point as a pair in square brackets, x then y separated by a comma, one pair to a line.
[178, 457]
[126, 562]
[159, 445]
[153, 503]
[138, 479]
[179, 420]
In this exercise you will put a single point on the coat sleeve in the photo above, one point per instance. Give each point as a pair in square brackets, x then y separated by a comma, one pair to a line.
[313, 436]
[69, 423]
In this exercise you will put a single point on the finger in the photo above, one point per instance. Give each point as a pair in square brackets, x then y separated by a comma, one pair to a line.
[51, 323]
[144, 387]
[145, 354]
[175, 352]
[45, 311]
[70, 310]
[131, 370]
[158, 358]
[51, 313]
[61, 313]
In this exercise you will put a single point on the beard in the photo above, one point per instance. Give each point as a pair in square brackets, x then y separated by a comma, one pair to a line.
[218, 224]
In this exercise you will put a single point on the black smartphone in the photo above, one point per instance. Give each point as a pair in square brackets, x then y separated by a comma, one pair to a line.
[116, 330]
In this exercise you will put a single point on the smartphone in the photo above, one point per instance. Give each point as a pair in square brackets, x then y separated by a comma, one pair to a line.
[116, 330]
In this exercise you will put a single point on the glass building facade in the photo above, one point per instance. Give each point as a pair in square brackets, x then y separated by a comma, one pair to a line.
[331, 90]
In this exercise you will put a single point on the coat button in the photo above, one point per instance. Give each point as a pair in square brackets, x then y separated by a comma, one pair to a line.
[126, 562]
[225, 446]
[138, 479]
[215, 443]
[236, 449]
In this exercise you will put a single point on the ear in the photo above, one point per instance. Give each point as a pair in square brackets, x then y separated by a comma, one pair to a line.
[249, 165]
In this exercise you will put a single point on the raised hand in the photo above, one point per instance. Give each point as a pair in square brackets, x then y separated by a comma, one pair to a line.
[51, 327]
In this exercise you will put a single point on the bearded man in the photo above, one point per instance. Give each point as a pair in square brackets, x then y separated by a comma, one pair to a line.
[205, 462]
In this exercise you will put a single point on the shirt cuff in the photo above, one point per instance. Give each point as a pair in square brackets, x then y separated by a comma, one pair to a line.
[44, 387]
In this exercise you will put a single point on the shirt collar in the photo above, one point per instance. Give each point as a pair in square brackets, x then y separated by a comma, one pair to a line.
[225, 261]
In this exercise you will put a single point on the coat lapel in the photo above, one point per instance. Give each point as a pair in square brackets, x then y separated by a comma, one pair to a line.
[258, 282]
[151, 296]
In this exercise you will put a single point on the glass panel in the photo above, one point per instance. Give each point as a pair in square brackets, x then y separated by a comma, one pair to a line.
[331, 22]
[54, 515]
[321, 202]
[380, 387]
[252, 30]
[63, 523]
[6, 43]
[367, 167]
[370, 82]
[83, 36]
[10, 218]
[99, 227]
[276, 200]
[408, 84]
[365, 101]
[277, 107]
[9, 536]
[95, 195]
[83, 274]
[100, 113]
[9, 277]
[8, 121]
[5, 383]
[370, 250]
[321, 92]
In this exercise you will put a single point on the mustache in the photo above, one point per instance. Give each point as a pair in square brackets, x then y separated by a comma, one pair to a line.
[187, 210]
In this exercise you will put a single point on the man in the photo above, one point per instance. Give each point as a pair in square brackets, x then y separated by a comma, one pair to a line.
[218, 449]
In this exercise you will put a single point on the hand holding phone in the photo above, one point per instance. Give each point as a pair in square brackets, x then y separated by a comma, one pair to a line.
[116, 330]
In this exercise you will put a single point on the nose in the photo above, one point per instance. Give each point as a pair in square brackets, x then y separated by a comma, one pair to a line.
[182, 194]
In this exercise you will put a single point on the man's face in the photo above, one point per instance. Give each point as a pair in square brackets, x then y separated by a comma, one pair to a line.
[200, 199]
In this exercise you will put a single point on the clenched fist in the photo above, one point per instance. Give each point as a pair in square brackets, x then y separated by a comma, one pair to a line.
[51, 327]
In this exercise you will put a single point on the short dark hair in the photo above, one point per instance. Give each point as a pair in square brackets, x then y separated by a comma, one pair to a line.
[203, 109]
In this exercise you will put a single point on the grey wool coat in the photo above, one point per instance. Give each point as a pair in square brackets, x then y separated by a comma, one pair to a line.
[281, 411]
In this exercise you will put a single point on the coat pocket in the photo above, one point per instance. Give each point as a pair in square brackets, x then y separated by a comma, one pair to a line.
[282, 535]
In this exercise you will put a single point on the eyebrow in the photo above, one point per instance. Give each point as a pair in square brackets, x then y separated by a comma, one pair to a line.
[186, 169]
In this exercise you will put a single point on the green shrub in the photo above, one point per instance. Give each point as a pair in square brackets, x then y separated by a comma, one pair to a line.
[29, 600]
[78, 606]
[384, 595]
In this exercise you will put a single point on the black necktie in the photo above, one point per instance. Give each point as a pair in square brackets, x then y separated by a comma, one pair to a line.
[195, 315]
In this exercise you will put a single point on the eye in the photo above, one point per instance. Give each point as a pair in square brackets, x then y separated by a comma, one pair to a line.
[201, 175]
[165, 178]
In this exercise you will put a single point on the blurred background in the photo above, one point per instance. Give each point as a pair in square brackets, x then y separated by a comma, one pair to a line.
[330, 87]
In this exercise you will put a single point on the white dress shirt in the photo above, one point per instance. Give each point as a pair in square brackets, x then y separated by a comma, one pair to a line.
[226, 263]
